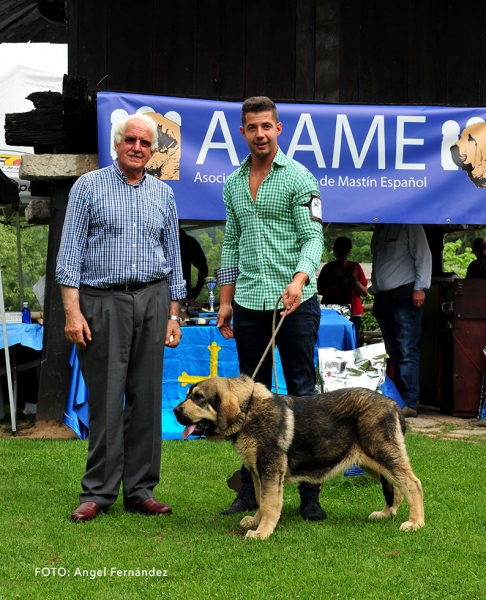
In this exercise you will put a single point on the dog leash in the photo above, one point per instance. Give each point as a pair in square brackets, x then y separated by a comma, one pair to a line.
[271, 344]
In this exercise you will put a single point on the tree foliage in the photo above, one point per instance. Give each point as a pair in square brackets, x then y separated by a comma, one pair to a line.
[33, 243]
[457, 258]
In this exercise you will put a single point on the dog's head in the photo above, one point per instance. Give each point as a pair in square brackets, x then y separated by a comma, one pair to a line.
[215, 407]
[469, 153]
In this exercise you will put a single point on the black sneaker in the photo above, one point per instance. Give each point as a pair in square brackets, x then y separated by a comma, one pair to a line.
[244, 501]
[310, 509]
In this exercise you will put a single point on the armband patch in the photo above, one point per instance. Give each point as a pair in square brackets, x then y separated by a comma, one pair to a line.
[315, 208]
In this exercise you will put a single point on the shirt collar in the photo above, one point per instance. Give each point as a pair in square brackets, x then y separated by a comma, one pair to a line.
[279, 160]
[121, 175]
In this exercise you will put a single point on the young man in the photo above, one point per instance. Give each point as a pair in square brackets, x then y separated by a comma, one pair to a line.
[272, 247]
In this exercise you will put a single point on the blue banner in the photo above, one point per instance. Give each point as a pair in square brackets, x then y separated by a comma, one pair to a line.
[374, 164]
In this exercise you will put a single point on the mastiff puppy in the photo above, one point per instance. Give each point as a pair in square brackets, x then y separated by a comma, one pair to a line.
[286, 438]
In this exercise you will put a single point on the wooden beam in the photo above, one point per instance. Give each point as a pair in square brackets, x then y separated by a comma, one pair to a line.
[55, 374]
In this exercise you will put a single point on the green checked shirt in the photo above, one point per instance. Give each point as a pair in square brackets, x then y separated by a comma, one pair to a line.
[266, 242]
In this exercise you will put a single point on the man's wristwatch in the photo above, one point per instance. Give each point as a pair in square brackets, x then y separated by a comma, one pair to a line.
[175, 318]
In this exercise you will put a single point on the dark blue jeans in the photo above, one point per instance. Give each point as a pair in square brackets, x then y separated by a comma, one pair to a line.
[295, 341]
[401, 325]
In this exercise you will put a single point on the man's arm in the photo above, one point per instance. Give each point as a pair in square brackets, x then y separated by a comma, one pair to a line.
[310, 239]
[420, 251]
[228, 273]
[76, 328]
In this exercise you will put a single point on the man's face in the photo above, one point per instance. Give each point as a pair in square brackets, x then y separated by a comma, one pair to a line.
[260, 132]
[134, 148]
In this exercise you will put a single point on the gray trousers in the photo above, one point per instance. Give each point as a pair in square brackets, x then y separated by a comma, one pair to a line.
[122, 369]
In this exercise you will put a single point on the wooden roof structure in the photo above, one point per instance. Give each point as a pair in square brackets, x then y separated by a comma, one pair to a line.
[33, 21]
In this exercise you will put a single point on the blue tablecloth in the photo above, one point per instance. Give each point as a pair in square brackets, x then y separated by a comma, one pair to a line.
[335, 331]
[203, 352]
[29, 335]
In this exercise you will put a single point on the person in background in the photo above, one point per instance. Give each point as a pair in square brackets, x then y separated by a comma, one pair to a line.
[120, 273]
[343, 282]
[477, 268]
[272, 247]
[192, 254]
[401, 272]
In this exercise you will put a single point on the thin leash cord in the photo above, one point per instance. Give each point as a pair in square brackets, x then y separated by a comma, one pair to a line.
[271, 344]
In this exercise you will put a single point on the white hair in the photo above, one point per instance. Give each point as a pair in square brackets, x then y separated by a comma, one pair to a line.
[121, 127]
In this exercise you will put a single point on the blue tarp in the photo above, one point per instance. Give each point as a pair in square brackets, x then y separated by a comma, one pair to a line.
[203, 352]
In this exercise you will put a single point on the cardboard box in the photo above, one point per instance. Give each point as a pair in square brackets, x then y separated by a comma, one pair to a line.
[12, 317]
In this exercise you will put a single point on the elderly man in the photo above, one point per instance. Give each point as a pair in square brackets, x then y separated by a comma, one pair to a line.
[120, 273]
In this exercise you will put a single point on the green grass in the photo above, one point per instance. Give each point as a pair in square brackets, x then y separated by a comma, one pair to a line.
[205, 555]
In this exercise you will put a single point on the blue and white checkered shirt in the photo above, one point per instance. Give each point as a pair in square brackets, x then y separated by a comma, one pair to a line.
[117, 233]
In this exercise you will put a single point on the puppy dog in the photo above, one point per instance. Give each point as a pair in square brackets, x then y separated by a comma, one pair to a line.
[285, 438]
[469, 153]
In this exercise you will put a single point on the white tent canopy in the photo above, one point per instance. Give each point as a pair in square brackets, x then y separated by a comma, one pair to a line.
[25, 69]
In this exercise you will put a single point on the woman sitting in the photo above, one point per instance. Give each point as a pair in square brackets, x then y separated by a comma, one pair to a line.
[343, 282]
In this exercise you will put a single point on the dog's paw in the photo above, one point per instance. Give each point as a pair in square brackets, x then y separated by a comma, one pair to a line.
[258, 535]
[388, 511]
[379, 514]
[411, 525]
[248, 522]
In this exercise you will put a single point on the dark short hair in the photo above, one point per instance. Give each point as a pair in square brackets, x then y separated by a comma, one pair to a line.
[258, 104]
[479, 244]
[342, 242]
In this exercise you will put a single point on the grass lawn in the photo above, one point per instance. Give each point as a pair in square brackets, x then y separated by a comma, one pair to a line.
[202, 555]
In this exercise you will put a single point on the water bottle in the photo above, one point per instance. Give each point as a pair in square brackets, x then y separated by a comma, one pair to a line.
[26, 313]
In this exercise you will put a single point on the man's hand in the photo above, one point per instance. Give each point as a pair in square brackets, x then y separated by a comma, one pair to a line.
[293, 293]
[173, 334]
[225, 313]
[223, 321]
[418, 298]
[76, 330]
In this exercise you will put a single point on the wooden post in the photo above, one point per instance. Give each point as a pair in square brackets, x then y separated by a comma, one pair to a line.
[55, 375]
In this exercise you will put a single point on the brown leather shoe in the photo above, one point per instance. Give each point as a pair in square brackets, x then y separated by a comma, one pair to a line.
[85, 512]
[150, 507]
[409, 412]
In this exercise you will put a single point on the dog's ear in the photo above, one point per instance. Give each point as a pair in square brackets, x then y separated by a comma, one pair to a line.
[228, 410]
